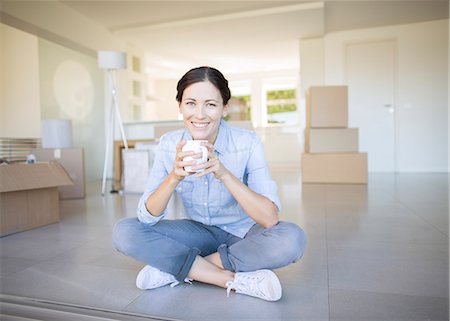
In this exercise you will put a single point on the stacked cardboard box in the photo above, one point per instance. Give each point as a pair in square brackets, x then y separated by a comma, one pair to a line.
[331, 148]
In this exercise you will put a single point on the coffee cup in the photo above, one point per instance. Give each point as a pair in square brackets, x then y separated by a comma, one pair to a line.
[196, 147]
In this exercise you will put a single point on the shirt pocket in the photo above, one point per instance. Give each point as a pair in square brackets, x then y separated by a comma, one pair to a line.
[185, 189]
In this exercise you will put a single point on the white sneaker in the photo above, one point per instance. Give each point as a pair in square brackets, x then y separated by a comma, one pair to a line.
[263, 284]
[152, 278]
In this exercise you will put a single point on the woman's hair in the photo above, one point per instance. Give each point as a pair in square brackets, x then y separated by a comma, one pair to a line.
[204, 74]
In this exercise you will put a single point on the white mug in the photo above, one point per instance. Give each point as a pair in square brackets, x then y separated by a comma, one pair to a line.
[195, 146]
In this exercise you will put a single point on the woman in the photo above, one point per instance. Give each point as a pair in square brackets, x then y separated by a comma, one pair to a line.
[233, 237]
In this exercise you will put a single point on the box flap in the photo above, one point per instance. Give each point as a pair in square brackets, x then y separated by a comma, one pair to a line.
[17, 177]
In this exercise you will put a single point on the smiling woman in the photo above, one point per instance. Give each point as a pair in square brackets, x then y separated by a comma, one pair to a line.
[232, 237]
[202, 108]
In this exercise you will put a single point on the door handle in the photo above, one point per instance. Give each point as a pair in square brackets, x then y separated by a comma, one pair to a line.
[391, 108]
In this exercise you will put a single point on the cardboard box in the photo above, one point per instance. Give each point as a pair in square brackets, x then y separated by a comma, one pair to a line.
[29, 195]
[72, 159]
[327, 106]
[331, 140]
[334, 168]
[137, 163]
[118, 161]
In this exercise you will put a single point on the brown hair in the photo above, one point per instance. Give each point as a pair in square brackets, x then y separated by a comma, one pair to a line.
[204, 73]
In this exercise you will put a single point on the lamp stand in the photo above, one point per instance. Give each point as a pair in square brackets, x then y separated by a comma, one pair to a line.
[113, 113]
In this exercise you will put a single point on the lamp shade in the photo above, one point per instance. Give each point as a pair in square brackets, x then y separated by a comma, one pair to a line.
[112, 60]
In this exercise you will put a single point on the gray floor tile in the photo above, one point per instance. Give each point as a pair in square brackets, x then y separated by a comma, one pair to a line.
[90, 254]
[399, 225]
[74, 283]
[206, 302]
[369, 306]
[10, 265]
[420, 272]
[36, 249]
[310, 272]
[379, 252]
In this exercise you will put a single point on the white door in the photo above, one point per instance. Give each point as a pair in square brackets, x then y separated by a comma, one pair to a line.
[370, 70]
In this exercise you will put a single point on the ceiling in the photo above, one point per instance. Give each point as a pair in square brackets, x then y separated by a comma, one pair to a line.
[240, 36]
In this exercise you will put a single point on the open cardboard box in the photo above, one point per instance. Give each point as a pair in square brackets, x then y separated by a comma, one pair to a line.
[72, 159]
[29, 195]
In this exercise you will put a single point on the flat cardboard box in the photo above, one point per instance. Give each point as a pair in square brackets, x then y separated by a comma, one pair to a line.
[327, 106]
[137, 163]
[29, 195]
[331, 140]
[72, 159]
[118, 161]
[335, 168]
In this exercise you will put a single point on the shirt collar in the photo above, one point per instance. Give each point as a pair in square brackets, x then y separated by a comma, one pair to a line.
[186, 135]
[222, 138]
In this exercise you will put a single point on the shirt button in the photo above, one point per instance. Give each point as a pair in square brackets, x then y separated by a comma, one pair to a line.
[225, 227]
[205, 204]
[206, 183]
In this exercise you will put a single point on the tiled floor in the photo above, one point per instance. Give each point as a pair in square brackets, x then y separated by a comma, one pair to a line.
[375, 252]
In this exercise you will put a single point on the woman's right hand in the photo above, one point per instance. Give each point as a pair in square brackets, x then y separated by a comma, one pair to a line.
[179, 164]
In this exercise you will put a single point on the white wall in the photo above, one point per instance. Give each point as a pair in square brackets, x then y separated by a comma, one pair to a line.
[311, 63]
[422, 85]
[166, 106]
[71, 88]
[2, 68]
[19, 73]
[63, 21]
[80, 38]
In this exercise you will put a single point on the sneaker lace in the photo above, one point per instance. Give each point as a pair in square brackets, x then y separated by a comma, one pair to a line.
[245, 284]
[175, 283]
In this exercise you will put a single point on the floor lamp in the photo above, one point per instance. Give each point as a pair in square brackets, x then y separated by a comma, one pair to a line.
[112, 61]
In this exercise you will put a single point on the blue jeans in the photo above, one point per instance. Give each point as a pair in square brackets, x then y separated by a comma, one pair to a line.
[172, 245]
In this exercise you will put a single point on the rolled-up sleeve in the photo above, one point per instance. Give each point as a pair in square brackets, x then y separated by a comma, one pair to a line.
[259, 179]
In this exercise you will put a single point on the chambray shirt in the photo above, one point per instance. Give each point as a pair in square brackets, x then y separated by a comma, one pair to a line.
[206, 199]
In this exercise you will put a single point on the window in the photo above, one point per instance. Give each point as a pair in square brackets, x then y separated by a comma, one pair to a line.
[282, 106]
[136, 64]
[136, 88]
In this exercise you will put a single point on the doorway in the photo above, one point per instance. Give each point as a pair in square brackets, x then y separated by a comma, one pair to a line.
[370, 71]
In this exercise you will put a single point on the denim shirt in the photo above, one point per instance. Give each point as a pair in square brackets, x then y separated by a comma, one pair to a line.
[206, 199]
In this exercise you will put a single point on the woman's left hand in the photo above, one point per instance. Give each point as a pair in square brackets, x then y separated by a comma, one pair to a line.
[213, 165]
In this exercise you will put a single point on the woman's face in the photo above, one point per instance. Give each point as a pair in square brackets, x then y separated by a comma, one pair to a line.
[202, 108]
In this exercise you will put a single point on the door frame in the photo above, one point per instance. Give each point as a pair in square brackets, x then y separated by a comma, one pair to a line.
[394, 42]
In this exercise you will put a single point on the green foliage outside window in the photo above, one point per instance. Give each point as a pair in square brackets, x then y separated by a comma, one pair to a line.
[281, 101]
[281, 94]
[273, 109]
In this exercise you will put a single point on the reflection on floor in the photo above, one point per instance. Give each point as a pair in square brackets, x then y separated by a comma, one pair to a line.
[376, 252]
